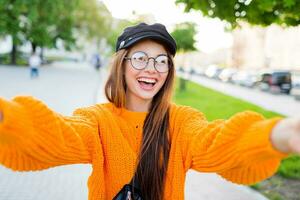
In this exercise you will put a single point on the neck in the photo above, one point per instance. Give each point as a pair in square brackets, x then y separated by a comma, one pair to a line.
[136, 104]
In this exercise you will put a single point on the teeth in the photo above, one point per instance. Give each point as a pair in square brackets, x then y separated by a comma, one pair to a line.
[148, 80]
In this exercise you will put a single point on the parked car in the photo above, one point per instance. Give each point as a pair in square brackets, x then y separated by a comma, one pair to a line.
[295, 85]
[192, 71]
[276, 81]
[200, 71]
[226, 74]
[213, 71]
[264, 80]
[245, 78]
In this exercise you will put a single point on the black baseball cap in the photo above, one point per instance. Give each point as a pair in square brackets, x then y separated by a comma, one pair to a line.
[133, 34]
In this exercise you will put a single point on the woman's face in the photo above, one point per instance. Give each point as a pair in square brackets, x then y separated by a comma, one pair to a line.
[145, 83]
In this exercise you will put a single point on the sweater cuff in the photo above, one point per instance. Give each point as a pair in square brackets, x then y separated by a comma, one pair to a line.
[258, 158]
[14, 118]
[261, 132]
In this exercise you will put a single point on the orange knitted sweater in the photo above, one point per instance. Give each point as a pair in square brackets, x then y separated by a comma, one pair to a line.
[32, 137]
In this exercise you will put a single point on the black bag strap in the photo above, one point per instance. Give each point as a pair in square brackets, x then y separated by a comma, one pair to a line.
[135, 183]
[133, 189]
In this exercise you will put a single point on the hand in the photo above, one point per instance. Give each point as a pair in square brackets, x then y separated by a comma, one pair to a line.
[285, 135]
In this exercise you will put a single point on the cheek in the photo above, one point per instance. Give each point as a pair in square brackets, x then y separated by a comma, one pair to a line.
[164, 78]
[130, 75]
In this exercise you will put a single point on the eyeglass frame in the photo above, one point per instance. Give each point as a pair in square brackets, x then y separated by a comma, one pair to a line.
[154, 59]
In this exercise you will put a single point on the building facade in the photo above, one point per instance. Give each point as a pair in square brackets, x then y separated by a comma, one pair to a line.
[272, 47]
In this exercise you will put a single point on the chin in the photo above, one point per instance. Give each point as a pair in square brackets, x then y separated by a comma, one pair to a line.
[146, 97]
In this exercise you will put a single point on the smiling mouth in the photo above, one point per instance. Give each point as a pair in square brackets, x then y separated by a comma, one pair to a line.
[147, 83]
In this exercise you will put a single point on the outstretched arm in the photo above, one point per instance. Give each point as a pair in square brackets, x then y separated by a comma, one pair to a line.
[245, 149]
[33, 137]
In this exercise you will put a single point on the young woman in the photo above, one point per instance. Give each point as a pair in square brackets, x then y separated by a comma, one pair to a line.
[140, 133]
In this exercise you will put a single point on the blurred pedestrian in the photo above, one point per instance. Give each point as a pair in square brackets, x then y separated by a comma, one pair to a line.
[140, 144]
[34, 64]
[97, 61]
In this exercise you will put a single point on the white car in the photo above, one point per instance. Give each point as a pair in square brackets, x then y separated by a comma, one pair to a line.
[296, 85]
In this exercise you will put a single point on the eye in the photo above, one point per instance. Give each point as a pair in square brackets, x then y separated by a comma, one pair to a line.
[162, 60]
[140, 57]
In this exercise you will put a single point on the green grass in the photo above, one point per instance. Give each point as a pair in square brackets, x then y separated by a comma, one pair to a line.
[216, 105]
[21, 60]
[274, 196]
[290, 167]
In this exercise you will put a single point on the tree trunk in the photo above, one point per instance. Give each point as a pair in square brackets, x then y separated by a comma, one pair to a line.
[33, 47]
[13, 54]
[42, 54]
[182, 84]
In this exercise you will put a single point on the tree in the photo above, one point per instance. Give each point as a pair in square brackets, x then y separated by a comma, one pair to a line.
[12, 22]
[44, 22]
[93, 20]
[49, 21]
[256, 12]
[116, 29]
[40, 22]
[184, 34]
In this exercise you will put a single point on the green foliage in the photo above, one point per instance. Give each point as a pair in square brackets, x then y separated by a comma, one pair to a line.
[116, 30]
[45, 22]
[256, 186]
[290, 167]
[258, 12]
[184, 34]
[274, 196]
[93, 19]
[11, 21]
[49, 21]
[22, 60]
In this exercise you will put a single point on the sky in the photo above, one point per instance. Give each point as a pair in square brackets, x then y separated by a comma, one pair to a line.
[210, 37]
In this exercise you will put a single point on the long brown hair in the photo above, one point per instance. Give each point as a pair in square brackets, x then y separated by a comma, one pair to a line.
[154, 153]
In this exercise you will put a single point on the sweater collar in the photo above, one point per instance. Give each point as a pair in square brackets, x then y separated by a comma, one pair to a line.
[128, 115]
[133, 115]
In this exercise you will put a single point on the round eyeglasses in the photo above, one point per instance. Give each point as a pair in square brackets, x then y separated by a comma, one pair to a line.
[140, 60]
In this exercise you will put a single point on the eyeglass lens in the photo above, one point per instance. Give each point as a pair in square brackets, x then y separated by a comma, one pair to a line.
[140, 60]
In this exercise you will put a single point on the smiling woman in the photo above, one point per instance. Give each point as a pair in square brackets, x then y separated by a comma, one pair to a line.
[144, 78]
[140, 143]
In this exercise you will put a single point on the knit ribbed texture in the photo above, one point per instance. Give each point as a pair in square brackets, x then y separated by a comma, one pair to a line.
[32, 137]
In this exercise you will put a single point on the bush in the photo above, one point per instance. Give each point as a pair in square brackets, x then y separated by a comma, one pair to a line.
[290, 167]
[22, 59]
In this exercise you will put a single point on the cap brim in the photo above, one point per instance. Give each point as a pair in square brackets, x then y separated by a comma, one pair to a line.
[154, 37]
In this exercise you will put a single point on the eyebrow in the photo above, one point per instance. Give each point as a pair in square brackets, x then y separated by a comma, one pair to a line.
[161, 54]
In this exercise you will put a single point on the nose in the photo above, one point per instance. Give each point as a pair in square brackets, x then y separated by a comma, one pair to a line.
[151, 65]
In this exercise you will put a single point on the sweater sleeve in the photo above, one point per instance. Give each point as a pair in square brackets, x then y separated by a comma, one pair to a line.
[239, 149]
[32, 137]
